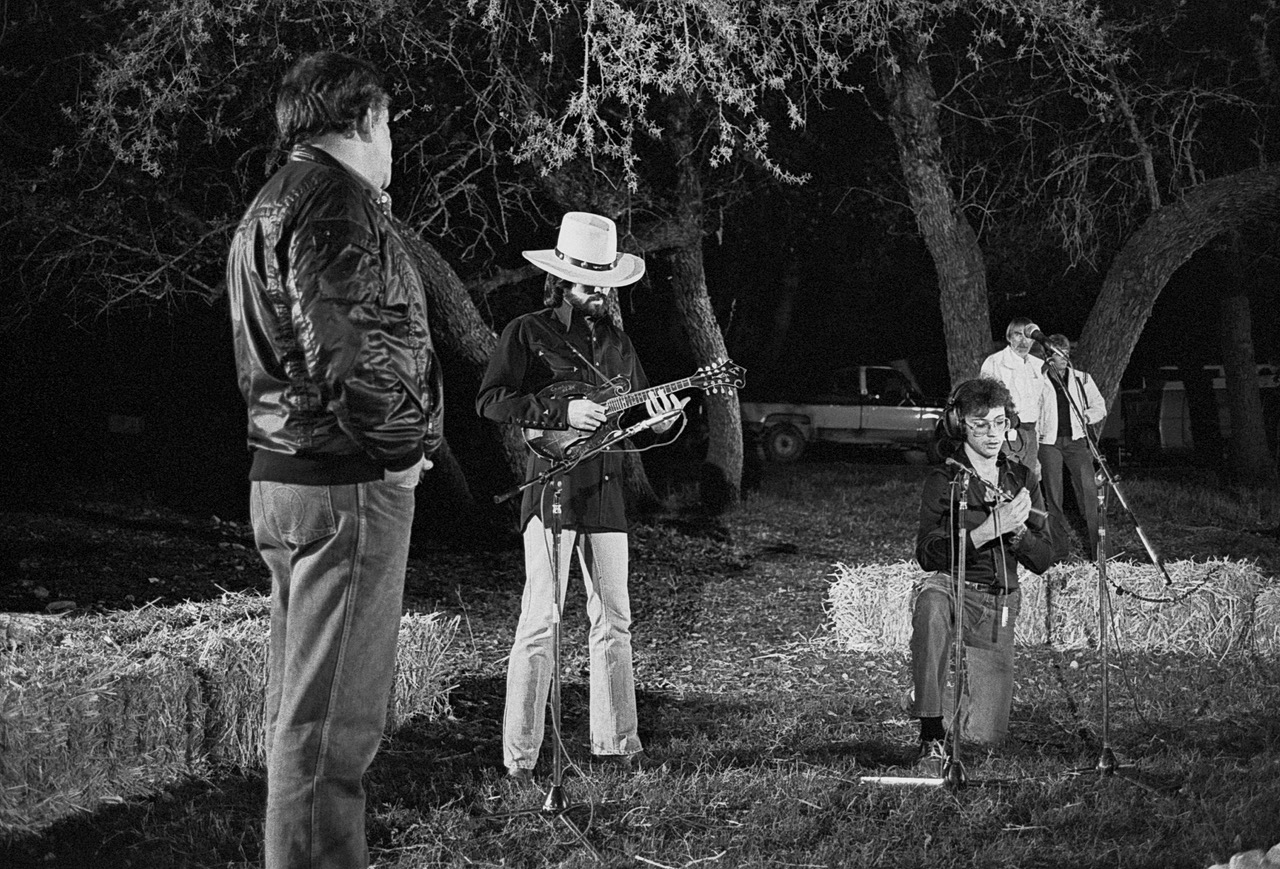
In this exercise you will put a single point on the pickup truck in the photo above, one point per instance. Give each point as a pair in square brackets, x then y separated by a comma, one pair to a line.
[875, 405]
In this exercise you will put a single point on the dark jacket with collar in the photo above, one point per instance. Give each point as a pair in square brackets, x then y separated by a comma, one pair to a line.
[532, 353]
[333, 353]
[995, 563]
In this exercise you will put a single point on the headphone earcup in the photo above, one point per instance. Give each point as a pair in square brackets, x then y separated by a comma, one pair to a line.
[950, 425]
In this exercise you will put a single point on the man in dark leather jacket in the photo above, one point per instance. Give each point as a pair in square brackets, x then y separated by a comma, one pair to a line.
[335, 362]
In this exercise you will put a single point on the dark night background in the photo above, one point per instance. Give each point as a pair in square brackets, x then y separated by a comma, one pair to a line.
[172, 368]
[865, 293]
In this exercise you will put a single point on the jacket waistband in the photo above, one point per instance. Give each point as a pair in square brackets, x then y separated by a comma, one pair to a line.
[313, 470]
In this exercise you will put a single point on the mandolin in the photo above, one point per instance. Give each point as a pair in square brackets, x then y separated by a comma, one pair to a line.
[616, 396]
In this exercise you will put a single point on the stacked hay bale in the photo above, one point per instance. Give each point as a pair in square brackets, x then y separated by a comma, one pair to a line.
[97, 708]
[1214, 607]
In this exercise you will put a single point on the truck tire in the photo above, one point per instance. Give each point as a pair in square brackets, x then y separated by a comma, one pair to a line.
[784, 443]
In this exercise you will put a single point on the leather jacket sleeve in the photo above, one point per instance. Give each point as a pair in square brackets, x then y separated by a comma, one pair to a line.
[359, 325]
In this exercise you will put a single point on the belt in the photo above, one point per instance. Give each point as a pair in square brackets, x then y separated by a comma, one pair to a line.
[987, 588]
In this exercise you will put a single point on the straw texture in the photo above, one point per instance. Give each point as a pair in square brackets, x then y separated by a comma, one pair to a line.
[1220, 607]
[98, 708]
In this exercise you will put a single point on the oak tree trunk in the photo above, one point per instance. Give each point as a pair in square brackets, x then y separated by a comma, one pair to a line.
[456, 324]
[721, 474]
[1251, 460]
[951, 241]
[1167, 239]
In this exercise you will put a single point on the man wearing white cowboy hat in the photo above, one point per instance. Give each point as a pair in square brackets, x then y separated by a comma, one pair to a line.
[572, 339]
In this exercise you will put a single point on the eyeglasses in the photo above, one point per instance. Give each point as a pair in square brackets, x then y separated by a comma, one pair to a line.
[983, 426]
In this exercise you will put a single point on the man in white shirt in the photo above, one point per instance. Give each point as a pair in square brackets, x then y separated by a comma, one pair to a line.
[1078, 404]
[1025, 378]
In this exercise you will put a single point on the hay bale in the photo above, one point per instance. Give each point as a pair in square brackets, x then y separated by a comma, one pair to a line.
[78, 727]
[870, 604]
[102, 707]
[1219, 607]
[419, 689]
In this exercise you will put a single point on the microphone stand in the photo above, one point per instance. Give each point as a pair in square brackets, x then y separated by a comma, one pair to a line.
[1107, 764]
[556, 805]
[1104, 474]
[953, 770]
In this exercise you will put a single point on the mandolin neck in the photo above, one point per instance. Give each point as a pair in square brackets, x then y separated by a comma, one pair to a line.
[631, 399]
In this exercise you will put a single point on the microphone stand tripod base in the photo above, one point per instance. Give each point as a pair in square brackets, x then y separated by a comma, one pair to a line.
[919, 781]
[556, 806]
[556, 801]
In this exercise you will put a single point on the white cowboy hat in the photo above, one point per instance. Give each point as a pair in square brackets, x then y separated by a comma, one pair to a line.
[586, 252]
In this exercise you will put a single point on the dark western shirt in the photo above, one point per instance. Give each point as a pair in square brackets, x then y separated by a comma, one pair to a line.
[533, 352]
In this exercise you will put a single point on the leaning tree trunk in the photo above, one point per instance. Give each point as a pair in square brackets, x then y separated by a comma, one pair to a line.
[457, 324]
[721, 475]
[1144, 265]
[951, 241]
[1251, 460]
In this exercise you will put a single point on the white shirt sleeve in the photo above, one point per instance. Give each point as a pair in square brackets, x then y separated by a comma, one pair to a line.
[1094, 407]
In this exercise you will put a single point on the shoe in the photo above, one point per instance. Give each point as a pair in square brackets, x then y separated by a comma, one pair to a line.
[931, 762]
[518, 776]
[630, 763]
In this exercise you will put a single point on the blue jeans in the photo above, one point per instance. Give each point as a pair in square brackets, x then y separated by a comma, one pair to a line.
[987, 692]
[337, 557]
[603, 559]
[1073, 457]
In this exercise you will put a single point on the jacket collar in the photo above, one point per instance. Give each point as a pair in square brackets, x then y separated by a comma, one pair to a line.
[311, 154]
[1007, 358]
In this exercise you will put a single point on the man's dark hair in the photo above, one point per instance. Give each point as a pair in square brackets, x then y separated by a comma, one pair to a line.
[978, 396]
[326, 92]
[553, 290]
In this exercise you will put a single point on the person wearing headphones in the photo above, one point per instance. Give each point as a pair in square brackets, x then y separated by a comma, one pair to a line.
[1004, 526]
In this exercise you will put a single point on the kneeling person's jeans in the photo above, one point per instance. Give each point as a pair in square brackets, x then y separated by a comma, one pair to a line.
[987, 692]
[337, 556]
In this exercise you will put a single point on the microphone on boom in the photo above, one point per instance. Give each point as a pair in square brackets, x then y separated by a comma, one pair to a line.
[1043, 340]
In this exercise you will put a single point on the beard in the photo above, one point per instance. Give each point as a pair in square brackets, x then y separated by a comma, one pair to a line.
[592, 305]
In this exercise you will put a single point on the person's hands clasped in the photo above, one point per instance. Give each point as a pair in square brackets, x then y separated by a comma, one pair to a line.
[586, 415]
[1012, 515]
[657, 405]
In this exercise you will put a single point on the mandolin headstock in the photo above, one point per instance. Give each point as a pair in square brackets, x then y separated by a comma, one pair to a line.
[720, 376]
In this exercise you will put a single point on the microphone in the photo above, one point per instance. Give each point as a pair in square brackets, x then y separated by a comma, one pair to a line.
[1043, 340]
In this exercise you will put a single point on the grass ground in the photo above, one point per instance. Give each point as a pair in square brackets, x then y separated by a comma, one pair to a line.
[768, 726]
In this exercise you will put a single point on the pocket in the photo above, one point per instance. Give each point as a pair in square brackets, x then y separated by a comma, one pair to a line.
[407, 479]
[298, 514]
